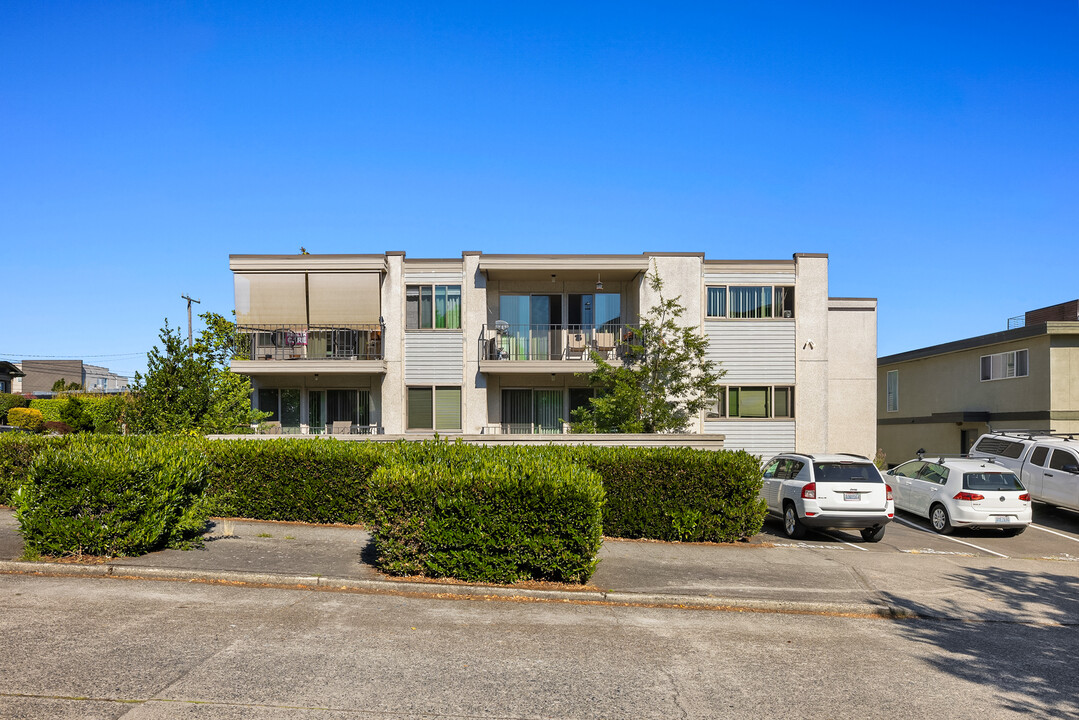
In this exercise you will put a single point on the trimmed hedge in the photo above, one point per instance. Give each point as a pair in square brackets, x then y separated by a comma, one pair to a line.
[678, 493]
[487, 515]
[17, 451]
[306, 480]
[658, 493]
[105, 411]
[124, 496]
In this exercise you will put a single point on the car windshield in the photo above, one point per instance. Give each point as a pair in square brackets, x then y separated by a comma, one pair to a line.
[845, 472]
[991, 481]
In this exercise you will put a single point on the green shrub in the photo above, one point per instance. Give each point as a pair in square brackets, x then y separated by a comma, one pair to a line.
[125, 496]
[17, 451]
[8, 401]
[305, 480]
[49, 408]
[104, 413]
[29, 418]
[75, 416]
[678, 493]
[487, 515]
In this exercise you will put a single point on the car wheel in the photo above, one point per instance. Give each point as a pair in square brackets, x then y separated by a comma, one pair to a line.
[1012, 532]
[792, 523]
[873, 534]
[938, 517]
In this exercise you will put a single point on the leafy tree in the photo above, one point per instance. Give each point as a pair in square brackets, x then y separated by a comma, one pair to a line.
[61, 385]
[192, 389]
[664, 380]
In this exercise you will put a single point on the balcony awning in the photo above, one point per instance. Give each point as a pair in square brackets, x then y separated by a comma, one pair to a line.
[567, 267]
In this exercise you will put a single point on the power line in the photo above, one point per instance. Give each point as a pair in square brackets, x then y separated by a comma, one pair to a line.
[73, 356]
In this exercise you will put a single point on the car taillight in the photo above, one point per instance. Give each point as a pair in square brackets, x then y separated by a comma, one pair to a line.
[968, 496]
[889, 497]
[1025, 497]
[809, 492]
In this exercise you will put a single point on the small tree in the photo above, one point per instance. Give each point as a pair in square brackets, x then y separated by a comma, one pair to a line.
[192, 388]
[62, 385]
[665, 379]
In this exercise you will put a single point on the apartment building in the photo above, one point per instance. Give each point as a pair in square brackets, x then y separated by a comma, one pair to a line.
[941, 398]
[498, 344]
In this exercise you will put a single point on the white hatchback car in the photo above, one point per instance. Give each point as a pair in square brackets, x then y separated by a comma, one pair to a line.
[962, 492]
[827, 491]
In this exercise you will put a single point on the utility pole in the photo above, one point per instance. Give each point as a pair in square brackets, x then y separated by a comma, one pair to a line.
[189, 301]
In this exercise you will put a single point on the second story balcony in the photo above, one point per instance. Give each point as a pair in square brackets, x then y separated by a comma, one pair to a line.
[506, 348]
[266, 349]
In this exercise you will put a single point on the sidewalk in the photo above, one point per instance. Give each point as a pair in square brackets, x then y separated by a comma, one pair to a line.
[752, 577]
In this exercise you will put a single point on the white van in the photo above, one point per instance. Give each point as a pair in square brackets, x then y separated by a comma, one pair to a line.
[1047, 464]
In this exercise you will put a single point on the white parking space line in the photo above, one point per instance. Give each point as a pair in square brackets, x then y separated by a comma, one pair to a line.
[948, 537]
[829, 535]
[1045, 529]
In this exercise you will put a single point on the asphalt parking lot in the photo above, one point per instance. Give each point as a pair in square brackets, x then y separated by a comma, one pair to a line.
[1054, 535]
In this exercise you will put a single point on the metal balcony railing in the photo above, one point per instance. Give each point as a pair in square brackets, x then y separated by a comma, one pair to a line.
[314, 342]
[524, 429]
[502, 341]
[335, 428]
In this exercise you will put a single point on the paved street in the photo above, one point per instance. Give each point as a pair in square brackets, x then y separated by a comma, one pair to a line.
[102, 648]
[996, 634]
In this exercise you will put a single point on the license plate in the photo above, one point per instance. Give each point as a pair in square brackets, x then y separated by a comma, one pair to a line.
[852, 496]
[1004, 518]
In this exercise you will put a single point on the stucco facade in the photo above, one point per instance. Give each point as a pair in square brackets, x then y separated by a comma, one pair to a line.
[499, 344]
[944, 396]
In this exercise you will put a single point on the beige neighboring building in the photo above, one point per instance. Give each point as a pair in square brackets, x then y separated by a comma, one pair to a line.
[41, 375]
[942, 398]
[489, 344]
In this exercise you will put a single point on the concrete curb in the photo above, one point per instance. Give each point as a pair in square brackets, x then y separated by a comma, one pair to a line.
[702, 602]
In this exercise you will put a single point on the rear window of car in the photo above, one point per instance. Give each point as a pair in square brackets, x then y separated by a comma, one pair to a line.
[991, 481]
[845, 472]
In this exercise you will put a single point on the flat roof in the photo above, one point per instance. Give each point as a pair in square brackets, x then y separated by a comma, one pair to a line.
[1050, 328]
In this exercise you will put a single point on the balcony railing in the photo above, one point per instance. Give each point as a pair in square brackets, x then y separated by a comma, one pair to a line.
[336, 428]
[525, 429]
[502, 341]
[315, 342]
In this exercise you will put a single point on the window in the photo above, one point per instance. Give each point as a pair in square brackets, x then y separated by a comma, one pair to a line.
[433, 306]
[3, 386]
[1039, 455]
[1005, 365]
[283, 405]
[827, 472]
[1064, 460]
[752, 402]
[893, 391]
[1000, 446]
[717, 302]
[437, 408]
[750, 302]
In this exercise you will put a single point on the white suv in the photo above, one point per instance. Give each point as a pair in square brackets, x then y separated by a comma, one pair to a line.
[827, 491]
[1047, 464]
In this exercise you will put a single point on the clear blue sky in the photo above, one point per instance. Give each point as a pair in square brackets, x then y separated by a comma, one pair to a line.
[931, 148]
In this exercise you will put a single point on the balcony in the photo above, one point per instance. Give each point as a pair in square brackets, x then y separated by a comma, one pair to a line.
[506, 348]
[276, 349]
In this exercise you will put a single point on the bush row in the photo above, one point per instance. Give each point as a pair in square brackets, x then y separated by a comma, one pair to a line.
[410, 494]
